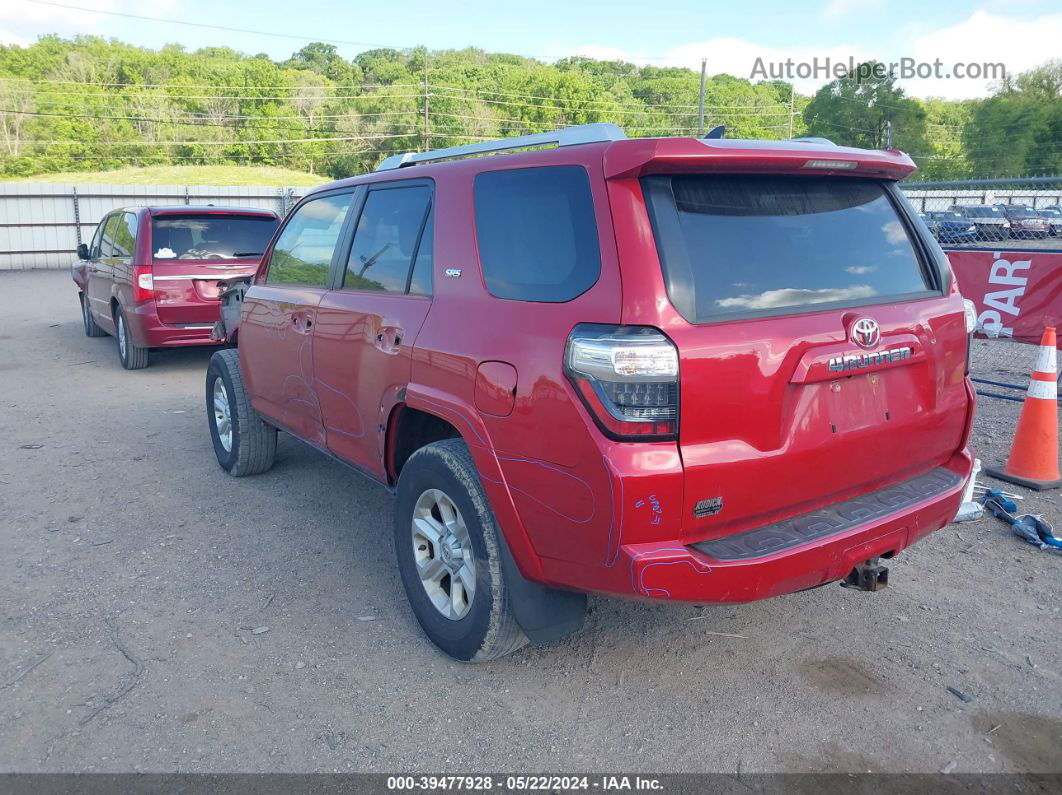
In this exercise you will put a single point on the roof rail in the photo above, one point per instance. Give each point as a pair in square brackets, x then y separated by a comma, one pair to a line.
[568, 136]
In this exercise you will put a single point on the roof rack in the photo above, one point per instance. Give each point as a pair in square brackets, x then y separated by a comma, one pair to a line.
[568, 136]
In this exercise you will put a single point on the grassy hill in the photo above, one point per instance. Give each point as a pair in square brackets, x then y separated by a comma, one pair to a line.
[185, 175]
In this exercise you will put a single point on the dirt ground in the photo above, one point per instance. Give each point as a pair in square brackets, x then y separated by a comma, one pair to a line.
[157, 615]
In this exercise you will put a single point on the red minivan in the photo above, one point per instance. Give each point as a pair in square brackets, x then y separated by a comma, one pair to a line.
[665, 368]
[150, 275]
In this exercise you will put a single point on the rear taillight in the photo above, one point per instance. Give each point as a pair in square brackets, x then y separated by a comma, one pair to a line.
[143, 285]
[970, 314]
[627, 376]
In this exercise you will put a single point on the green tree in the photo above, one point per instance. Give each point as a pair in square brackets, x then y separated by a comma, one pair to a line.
[854, 110]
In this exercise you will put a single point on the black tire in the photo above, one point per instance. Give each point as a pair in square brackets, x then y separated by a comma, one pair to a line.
[253, 444]
[488, 629]
[131, 356]
[92, 328]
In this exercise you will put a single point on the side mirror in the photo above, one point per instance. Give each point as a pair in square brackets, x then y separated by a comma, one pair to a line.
[82, 251]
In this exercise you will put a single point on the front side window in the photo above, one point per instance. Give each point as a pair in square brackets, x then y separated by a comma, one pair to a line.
[386, 239]
[210, 236]
[734, 245]
[303, 252]
[537, 233]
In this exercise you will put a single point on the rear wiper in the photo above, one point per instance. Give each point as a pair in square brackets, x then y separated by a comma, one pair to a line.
[247, 254]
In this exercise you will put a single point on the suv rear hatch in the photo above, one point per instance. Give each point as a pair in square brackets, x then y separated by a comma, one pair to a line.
[822, 352]
[191, 252]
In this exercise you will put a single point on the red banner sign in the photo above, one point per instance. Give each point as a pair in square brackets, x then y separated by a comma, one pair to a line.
[1017, 293]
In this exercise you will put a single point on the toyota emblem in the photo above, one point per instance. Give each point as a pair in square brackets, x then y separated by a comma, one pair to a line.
[865, 333]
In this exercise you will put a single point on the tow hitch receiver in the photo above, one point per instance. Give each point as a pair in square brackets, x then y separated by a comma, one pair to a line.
[869, 575]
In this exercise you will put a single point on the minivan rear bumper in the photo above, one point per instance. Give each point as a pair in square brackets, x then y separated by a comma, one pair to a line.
[680, 571]
[148, 331]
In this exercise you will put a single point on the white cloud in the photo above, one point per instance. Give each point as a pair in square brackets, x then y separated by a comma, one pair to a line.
[7, 37]
[21, 22]
[796, 296]
[836, 9]
[39, 19]
[983, 37]
[734, 56]
[1019, 44]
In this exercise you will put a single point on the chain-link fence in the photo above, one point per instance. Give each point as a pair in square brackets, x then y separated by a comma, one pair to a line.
[991, 212]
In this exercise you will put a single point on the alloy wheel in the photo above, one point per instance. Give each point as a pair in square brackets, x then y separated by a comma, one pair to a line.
[442, 552]
[222, 414]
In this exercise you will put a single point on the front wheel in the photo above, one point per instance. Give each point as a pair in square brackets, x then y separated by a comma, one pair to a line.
[449, 556]
[131, 355]
[243, 442]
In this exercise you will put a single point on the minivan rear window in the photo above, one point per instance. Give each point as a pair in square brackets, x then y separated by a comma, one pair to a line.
[748, 245]
[210, 236]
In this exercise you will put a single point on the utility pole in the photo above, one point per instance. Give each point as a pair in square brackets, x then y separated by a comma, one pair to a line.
[427, 134]
[792, 95]
[700, 102]
[888, 135]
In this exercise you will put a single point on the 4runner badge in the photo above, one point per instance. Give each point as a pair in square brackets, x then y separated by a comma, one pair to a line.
[857, 361]
[865, 333]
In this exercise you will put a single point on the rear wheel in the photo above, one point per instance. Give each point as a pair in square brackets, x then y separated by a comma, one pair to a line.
[92, 329]
[132, 356]
[243, 442]
[449, 557]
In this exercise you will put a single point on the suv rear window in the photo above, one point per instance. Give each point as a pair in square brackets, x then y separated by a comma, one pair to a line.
[213, 236]
[745, 245]
[537, 233]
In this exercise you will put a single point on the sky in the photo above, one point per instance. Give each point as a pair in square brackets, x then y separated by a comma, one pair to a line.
[731, 35]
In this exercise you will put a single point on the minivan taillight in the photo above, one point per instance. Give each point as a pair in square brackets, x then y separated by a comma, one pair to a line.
[627, 377]
[143, 284]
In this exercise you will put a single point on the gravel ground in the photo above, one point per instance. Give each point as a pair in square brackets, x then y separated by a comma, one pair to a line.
[156, 615]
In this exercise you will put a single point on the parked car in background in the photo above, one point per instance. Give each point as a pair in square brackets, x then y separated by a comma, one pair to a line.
[1053, 216]
[990, 222]
[1025, 222]
[150, 275]
[950, 227]
[548, 356]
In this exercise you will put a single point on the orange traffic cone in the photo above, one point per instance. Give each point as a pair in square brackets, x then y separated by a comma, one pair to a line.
[1033, 458]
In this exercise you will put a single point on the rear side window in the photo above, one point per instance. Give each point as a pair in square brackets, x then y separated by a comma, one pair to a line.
[739, 245]
[303, 252]
[210, 236]
[125, 236]
[537, 233]
[108, 246]
[386, 239]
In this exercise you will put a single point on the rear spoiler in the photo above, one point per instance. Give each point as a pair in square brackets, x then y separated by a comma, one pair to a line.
[640, 156]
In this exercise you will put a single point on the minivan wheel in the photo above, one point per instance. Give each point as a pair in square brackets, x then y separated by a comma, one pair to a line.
[131, 356]
[92, 328]
[449, 558]
[243, 442]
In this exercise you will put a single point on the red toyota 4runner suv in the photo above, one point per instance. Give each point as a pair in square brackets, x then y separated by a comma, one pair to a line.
[699, 370]
[150, 275]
